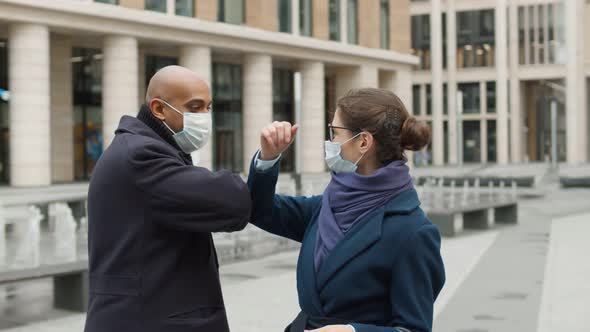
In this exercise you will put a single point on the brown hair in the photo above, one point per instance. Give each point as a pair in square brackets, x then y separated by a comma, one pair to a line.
[383, 114]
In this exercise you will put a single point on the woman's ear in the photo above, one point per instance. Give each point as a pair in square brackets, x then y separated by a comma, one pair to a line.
[367, 142]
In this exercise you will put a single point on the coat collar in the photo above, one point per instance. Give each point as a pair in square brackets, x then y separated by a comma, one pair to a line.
[364, 234]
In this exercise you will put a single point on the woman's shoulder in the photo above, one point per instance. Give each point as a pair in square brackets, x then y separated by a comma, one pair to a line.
[408, 226]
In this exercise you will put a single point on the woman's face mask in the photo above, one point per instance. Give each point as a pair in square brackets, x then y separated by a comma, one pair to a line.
[334, 159]
[196, 130]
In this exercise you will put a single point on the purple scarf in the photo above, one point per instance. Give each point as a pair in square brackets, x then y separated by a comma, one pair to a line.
[349, 197]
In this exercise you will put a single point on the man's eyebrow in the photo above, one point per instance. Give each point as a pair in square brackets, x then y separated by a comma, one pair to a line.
[196, 100]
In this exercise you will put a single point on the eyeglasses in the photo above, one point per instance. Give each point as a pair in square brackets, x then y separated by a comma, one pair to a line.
[331, 130]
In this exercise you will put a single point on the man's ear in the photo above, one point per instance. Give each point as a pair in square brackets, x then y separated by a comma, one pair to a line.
[157, 109]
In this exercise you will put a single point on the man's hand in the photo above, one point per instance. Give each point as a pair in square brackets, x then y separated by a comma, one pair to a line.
[334, 328]
[275, 139]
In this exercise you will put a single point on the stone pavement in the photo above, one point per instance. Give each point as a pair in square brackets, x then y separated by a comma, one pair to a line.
[528, 277]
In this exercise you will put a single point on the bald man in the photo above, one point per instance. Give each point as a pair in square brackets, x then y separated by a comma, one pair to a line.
[153, 266]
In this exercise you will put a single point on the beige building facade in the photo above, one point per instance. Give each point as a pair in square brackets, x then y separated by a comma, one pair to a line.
[511, 60]
[74, 67]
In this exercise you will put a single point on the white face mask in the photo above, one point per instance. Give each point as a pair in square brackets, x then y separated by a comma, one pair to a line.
[334, 159]
[196, 131]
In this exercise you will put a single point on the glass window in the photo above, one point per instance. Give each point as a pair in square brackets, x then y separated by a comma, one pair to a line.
[334, 20]
[421, 40]
[156, 5]
[475, 39]
[352, 17]
[284, 109]
[492, 153]
[471, 142]
[4, 116]
[305, 17]
[384, 19]
[185, 8]
[112, 2]
[491, 97]
[471, 97]
[284, 15]
[428, 99]
[445, 98]
[227, 117]
[87, 95]
[230, 11]
[416, 99]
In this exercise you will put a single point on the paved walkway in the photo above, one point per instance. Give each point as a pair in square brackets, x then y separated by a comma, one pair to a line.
[528, 277]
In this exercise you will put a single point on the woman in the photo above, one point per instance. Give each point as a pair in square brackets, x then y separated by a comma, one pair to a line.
[370, 258]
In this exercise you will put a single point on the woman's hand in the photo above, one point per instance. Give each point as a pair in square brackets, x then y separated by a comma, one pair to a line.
[275, 139]
[334, 328]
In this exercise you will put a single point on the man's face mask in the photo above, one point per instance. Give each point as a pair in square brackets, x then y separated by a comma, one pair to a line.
[196, 130]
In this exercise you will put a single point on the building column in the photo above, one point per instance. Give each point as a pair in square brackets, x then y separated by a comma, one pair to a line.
[343, 21]
[28, 75]
[257, 101]
[367, 76]
[62, 111]
[502, 82]
[295, 18]
[516, 127]
[120, 83]
[437, 83]
[312, 120]
[198, 59]
[452, 80]
[575, 92]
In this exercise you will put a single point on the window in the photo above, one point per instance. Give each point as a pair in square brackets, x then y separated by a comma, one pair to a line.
[284, 15]
[475, 39]
[185, 8]
[471, 97]
[384, 18]
[492, 153]
[227, 117]
[305, 17]
[428, 99]
[416, 99]
[4, 116]
[471, 141]
[352, 17]
[421, 40]
[334, 19]
[87, 95]
[112, 2]
[230, 11]
[491, 97]
[156, 5]
[284, 109]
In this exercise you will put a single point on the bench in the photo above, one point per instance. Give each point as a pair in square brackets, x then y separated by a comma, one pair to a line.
[70, 282]
[453, 212]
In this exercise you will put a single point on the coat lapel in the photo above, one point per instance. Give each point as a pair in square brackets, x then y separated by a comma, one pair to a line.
[364, 234]
[358, 238]
[307, 274]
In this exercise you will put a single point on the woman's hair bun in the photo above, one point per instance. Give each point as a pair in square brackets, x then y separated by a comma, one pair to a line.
[415, 135]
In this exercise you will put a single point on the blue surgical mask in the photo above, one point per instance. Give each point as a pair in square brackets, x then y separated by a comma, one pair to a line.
[196, 130]
[334, 159]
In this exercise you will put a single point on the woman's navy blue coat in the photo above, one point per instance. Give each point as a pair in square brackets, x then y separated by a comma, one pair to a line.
[386, 273]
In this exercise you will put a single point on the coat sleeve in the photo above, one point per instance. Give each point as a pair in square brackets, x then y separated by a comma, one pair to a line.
[417, 279]
[281, 215]
[186, 197]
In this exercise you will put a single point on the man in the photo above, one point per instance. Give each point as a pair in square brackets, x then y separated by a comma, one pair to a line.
[153, 266]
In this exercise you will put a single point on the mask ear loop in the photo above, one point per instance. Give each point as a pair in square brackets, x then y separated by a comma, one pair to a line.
[362, 155]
